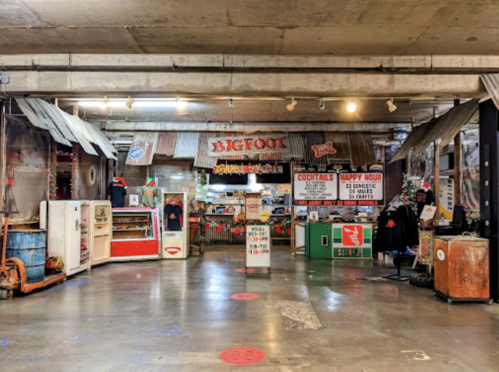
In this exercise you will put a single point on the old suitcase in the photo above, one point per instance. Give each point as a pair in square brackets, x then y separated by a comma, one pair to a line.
[461, 268]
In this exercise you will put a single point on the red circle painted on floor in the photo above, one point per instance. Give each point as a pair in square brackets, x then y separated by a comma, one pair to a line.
[244, 270]
[242, 356]
[244, 296]
[242, 255]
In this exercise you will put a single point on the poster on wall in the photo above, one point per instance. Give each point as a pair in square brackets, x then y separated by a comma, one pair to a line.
[315, 188]
[253, 207]
[258, 246]
[447, 198]
[361, 188]
[283, 189]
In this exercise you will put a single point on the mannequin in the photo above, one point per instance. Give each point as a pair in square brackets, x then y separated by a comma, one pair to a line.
[424, 196]
[117, 191]
[150, 193]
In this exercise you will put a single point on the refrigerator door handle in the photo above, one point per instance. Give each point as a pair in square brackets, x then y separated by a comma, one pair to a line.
[324, 240]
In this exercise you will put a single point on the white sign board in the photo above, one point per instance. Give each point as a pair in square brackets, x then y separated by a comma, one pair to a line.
[253, 208]
[258, 246]
[314, 216]
[133, 200]
[284, 188]
[316, 186]
[361, 186]
[447, 198]
[428, 212]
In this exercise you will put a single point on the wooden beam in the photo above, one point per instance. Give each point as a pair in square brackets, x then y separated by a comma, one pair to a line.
[457, 166]
[75, 110]
[250, 127]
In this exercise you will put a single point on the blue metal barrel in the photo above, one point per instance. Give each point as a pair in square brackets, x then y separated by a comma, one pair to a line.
[29, 246]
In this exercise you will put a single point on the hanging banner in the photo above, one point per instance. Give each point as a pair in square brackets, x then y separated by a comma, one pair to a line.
[248, 145]
[258, 246]
[248, 168]
[447, 198]
[361, 188]
[315, 188]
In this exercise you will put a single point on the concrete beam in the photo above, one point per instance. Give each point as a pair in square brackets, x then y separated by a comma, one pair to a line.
[248, 127]
[305, 84]
[422, 62]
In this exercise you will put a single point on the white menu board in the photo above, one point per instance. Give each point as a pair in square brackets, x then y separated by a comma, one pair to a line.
[361, 186]
[315, 186]
[253, 208]
[258, 246]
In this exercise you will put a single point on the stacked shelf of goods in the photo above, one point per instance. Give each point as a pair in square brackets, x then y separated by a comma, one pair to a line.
[132, 226]
[84, 250]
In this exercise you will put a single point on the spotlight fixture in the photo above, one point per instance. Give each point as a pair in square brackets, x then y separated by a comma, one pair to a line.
[292, 105]
[351, 107]
[130, 102]
[231, 103]
[180, 104]
[391, 106]
[103, 104]
[322, 104]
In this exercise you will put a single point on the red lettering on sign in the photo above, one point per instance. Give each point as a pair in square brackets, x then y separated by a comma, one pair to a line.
[237, 145]
[261, 142]
[219, 147]
[270, 143]
[280, 143]
[229, 145]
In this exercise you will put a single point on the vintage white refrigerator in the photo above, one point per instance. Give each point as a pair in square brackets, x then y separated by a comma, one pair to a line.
[64, 235]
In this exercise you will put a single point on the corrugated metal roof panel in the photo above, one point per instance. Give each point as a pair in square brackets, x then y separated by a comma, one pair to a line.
[444, 127]
[30, 114]
[340, 144]
[103, 142]
[312, 139]
[202, 160]
[78, 130]
[297, 141]
[145, 141]
[187, 145]
[51, 116]
[361, 149]
[166, 143]
[491, 82]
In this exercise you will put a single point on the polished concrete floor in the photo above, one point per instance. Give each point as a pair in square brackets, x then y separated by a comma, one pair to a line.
[311, 315]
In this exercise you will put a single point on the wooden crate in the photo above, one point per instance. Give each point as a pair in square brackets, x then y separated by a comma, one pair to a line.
[462, 267]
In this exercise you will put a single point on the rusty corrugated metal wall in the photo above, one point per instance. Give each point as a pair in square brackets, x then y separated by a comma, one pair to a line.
[361, 149]
[202, 160]
[147, 142]
[166, 143]
[312, 139]
[187, 145]
[340, 144]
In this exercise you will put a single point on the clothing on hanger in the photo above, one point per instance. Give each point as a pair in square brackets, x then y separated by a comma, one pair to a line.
[151, 194]
[117, 191]
[173, 216]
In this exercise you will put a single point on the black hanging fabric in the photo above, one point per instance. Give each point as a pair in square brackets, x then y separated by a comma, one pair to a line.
[423, 197]
[117, 191]
[397, 230]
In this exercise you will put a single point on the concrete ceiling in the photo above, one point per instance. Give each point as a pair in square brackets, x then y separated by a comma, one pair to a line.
[318, 27]
[270, 111]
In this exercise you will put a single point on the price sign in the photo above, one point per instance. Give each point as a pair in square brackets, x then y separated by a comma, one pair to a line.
[257, 246]
[315, 186]
[361, 188]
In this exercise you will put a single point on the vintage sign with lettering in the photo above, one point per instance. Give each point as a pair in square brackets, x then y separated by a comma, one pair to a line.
[248, 168]
[363, 188]
[257, 246]
[247, 145]
[316, 187]
[321, 150]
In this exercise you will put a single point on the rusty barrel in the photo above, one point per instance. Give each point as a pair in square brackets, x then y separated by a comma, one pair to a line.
[30, 247]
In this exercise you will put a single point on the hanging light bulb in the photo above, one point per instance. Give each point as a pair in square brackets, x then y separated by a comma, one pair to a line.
[180, 104]
[292, 105]
[351, 107]
[322, 105]
[391, 105]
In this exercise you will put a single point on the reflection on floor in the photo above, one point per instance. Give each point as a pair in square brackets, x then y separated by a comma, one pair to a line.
[310, 315]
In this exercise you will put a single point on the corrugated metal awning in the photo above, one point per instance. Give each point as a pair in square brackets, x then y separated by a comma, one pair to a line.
[445, 128]
[340, 144]
[202, 160]
[143, 148]
[491, 82]
[360, 146]
[187, 145]
[312, 139]
[166, 143]
[63, 127]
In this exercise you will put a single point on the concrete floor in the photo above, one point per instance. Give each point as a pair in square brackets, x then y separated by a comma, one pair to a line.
[312, 315]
